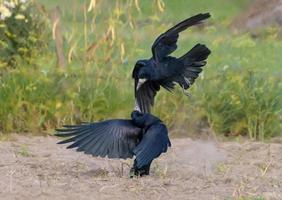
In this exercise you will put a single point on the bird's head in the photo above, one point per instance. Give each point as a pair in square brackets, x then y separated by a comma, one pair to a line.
[138, 118]
[142, 72]
[143, 120]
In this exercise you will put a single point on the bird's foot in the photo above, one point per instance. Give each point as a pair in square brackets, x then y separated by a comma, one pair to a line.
[132, 172]
[138, 172]
[186, 93]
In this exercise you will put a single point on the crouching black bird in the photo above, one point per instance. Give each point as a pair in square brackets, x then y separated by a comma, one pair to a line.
[164, 70]
[144, 136]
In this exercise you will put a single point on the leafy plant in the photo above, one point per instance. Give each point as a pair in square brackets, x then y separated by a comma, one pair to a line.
[242, 102]
[22, 32]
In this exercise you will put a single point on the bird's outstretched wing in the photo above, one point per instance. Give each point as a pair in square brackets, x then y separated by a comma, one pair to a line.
[154, 142]
[145, 95]
[113, 138]
[165, 44]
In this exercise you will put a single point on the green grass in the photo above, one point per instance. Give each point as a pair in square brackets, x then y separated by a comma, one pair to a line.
[238, 93]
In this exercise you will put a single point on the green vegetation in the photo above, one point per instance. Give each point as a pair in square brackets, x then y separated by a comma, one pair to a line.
[21, 33]
[251, 198]
[239, 92]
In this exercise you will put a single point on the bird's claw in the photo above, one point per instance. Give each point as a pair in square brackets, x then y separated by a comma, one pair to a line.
[186, 93]
[138, 173]
[132, 173]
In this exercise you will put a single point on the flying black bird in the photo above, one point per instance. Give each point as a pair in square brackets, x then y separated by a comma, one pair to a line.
[144, 136]
[164, 70]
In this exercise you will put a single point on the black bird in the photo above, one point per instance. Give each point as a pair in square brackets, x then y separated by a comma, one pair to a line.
[143, 136]
[164, 70]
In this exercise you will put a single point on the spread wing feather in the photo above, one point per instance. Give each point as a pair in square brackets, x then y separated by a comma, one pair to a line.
[166, 43]
[112, 138]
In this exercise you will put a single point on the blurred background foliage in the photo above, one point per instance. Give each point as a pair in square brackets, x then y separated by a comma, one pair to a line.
[239, 92]
[21, 33]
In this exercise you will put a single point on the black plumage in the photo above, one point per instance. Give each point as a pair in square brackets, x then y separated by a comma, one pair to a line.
[143, 136]
[164, 70]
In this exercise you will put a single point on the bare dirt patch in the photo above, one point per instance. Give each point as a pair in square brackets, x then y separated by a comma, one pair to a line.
[38, 168]
[259, 14]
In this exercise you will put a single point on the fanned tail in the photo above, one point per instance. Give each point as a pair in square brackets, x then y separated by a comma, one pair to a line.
[193, 62]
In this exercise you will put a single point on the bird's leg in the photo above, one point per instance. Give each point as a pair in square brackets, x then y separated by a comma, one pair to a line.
[143, 171]
[133, 170]
[146, 169]
[183, 89]
[185, 93]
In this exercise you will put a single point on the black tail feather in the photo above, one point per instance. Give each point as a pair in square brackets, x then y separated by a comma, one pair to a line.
[193, 62]
[197, 54]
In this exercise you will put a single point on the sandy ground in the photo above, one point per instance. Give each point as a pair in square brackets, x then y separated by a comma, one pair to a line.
[38, 168]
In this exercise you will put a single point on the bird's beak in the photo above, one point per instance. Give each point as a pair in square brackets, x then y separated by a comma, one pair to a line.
[137, 107]
[140, 82]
